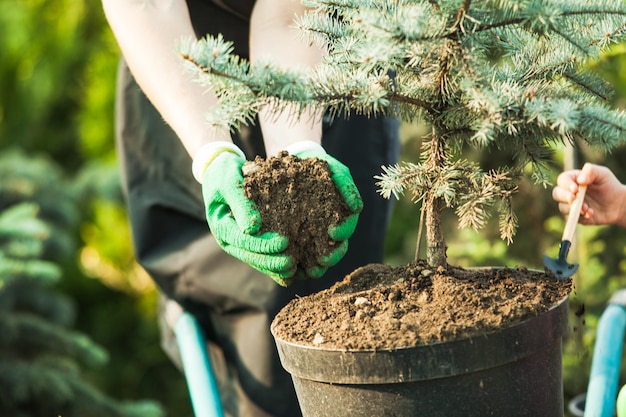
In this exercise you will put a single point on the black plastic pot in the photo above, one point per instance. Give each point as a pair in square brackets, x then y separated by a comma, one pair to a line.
[509, 373]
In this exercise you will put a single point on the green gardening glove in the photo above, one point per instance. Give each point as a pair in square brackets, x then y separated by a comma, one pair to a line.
[345, 184]
[235, 220]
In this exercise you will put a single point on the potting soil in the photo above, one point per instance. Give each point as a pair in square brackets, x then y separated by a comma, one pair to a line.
[380, 306]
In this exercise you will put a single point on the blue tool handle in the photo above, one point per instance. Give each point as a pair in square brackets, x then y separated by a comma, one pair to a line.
[205, 397]
[605, 365]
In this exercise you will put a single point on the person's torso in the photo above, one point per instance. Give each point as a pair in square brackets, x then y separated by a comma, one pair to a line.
[230, 18]
[240, 8]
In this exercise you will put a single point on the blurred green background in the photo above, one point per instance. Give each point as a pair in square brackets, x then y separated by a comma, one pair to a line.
[58, 64]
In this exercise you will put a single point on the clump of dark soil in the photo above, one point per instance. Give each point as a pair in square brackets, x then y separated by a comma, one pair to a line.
[298, 199]
[380, 306]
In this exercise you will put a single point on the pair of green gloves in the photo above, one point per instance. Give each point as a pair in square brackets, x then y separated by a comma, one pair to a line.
[235, 220]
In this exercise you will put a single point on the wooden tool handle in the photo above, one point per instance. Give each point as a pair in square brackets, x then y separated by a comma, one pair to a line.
[574, 214]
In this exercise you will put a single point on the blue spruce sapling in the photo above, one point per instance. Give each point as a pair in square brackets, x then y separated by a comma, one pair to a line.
[481, 74]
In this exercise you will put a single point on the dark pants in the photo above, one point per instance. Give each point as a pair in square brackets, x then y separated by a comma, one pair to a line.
[234, 303]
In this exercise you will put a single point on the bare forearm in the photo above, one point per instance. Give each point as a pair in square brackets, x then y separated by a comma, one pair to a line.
[274, 38]
[147, 32]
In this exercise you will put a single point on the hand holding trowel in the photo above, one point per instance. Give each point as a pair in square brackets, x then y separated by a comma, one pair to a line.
[559, 266]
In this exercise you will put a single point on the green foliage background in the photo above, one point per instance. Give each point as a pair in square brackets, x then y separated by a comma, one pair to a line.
[58, 64]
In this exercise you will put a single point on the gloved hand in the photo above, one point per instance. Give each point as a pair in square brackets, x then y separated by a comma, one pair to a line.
[233, 219]
[345, 184]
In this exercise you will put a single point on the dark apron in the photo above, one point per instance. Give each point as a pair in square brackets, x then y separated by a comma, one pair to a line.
[234, 303]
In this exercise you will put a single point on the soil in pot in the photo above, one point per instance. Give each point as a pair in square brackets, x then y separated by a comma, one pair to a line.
[380, 306]
[385, 307]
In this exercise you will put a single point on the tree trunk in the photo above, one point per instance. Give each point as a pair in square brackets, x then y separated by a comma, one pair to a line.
[435, 242]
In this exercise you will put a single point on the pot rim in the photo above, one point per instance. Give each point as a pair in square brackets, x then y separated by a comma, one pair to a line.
[427, 361]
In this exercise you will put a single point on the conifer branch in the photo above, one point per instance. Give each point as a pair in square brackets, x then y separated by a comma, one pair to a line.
[424, 104]
[587, 86]
[599, 89]
[463, 10]
[435, 5]
[498, 25]
[612, 34]
[209, 70]
[593, 12]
